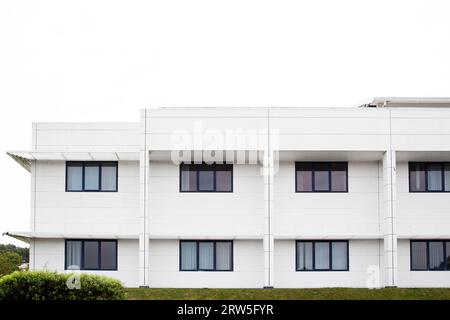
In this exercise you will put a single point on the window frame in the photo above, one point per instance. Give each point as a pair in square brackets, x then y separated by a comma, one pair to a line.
[198, 256]
[444, 241]
[209, 167]
[83, 166]
[330, 183]
[426, 165]
[330, 257]
[99, 241]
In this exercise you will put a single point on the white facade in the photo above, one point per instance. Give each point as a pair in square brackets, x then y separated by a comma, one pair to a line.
[263, 215]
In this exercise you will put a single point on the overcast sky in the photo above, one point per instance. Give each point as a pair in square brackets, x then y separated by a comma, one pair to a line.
[104, 60]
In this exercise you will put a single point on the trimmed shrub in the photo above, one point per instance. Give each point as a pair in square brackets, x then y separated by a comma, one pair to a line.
[9, 262]
[44, 285]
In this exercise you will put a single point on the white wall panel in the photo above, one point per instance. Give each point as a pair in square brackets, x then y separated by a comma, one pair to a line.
[85, 212]
[362, 255]
[49, 255]
[247, 273]
[196, 213]
[408, 278]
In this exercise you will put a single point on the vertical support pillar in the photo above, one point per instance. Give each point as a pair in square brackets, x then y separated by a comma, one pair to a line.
[32, 254]
[143, 205]
[390, 218]
[268, 240]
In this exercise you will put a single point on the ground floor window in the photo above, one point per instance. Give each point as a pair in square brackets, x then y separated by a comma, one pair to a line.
[91, 254]
[321, 255]
[430, 255]
[206, 255]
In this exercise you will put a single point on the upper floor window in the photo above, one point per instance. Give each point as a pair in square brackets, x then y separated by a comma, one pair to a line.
[321, 176]
[91, 176]
[91, 254]
[206, 178]
[321, 255]
[206, 255]
[430, 255]
[429, 177]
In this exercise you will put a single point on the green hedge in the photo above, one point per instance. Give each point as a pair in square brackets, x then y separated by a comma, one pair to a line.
[43, 285]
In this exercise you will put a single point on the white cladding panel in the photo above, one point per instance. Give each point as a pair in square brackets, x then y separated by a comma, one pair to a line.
[420, 213]
[248, 267]
[364, 255]
[174, 213]
[408, 278]
[86, 136]
[92, 213]
[320, 214]
[49, 254]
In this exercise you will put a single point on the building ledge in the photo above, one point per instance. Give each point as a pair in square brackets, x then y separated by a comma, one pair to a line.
[24, 157]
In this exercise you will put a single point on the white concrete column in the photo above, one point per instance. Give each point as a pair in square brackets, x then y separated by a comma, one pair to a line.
[32, 262]
[389, 223]
[143, 205]
[268, 240]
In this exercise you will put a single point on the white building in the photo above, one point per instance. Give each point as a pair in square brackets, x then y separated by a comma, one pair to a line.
[308, 197]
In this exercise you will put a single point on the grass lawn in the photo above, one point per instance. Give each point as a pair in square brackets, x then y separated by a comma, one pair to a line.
[289, 294]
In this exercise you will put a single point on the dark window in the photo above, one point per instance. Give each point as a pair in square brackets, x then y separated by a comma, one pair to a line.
[417, 177]
[320, 255]
[447, 254]
[205, 255]
[419, 255]
[429, 177]
[321, 176]
[91, 260]
[206, 178]
[304, 255]
[91, 176]
[91, 254]
[339, 176]
[430, 255]
[304, 175]
[108, 254]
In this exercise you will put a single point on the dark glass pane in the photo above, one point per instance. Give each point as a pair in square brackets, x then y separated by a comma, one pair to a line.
[73, 255]
[434, 177]
[338, 177]
[188, 255]
[447, 248]
[418, 255]
[206, 255]
[436, 255]
[206, 180]
[91, 177]
[447, 177]
[188, 180]
[74, 177]
[321, 177]
[304, 177]
[109, 177]
[91, 255]
[339, 255]
[223, 180]
[304, 256]
[417, 177]
[108, 255]
[322, 255]
[223, 256]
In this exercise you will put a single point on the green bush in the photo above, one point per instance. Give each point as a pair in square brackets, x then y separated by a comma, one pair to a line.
[9, 262]
[43, 285]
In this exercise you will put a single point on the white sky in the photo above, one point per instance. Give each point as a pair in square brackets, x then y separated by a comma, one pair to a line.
[104, 60]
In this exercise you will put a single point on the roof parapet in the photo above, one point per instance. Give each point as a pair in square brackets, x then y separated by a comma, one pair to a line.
[408, 102]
